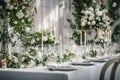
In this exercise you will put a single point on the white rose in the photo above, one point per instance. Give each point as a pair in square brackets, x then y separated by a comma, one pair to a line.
[91, 9]
[15, 22]
[20, 14]
[99, 13]
[27, 29]
[89, 23]
[87, 12]
[93, 22]
[91, 18]
[6, 1]
[114, 4]
[1, 7]
[44, 38]
[83, 24]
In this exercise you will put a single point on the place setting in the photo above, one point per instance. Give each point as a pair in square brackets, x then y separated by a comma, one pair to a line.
[82, 63]
[60, 67]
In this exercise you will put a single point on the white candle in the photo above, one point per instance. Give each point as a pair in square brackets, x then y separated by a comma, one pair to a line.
[63, 3]
[61, 47]
[85, 36]
[110, 35]
[53, 27]
[81, 38]
[9, 50]
[42, 41]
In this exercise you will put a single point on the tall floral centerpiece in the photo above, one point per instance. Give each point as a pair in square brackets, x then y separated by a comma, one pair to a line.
[17, 35]
[17, 17]
[97, 18]
[90, 17]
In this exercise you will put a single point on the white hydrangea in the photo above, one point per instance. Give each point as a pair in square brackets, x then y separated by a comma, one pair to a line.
[20, 14]
[114, 4]
[7, 1]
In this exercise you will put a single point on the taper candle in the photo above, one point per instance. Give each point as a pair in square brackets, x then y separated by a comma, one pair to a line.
[85, 36]
[81, 38]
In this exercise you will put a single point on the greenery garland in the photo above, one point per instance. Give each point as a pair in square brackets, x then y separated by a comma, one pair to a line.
[114, 9]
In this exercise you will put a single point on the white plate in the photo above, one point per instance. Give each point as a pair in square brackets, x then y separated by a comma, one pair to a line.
[100, 60]
[82, 63]
[61, 68]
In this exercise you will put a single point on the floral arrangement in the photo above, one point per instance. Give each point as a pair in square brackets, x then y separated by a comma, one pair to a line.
[17, 17]
[35, 39]
[95, 18]
[19, 13]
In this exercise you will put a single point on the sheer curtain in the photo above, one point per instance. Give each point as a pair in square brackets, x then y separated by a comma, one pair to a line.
[52, 15]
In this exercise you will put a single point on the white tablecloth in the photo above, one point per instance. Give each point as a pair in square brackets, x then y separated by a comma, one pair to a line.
[82, 73]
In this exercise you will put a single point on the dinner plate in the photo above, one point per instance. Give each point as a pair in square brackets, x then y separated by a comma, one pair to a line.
[82, 64]
[61, 68]
[100, 60]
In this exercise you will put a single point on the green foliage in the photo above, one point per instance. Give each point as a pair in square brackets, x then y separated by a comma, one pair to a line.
[116, 34]
[93, 53]
[114, 6]
[114, 9]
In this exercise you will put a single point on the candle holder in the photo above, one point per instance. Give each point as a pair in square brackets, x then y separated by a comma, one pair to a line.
[4, 63]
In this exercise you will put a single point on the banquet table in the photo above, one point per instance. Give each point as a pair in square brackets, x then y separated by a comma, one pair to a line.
[42, 73]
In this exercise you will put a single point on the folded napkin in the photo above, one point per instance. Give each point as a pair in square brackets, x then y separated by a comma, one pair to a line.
[62, 68]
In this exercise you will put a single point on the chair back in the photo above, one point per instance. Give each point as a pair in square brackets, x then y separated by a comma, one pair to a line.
[115, 62]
